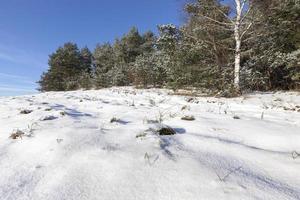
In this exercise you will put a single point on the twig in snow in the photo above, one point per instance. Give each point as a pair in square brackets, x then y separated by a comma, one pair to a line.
[152, 102]
[262, 115]
[223, 179]
[31, 128]
[147, 158]
[295, 154]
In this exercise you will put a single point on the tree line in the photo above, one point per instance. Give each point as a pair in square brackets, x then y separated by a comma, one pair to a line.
[232, 47]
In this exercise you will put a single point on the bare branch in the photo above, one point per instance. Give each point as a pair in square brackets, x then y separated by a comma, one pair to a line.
[245, 31]
[216, 21]
[227, 17]
[243, 4]
[246, 14]
[251, 38]
[209, 42]
[222, 27]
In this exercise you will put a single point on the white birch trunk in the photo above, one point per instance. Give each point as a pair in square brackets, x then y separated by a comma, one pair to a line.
[238, 42]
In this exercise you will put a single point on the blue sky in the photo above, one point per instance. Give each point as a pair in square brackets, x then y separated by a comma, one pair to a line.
[30, 30]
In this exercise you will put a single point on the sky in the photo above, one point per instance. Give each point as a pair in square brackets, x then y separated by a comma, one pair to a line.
[30, 30]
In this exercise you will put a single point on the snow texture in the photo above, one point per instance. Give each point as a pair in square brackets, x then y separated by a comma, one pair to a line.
[103, 144]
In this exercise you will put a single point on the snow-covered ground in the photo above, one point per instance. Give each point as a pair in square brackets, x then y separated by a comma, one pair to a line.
[72, 150]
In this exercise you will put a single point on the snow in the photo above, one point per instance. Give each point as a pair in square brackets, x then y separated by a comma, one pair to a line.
[71, 150]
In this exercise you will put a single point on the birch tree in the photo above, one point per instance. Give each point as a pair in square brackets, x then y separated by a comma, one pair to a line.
[242, 8]
[235, 20]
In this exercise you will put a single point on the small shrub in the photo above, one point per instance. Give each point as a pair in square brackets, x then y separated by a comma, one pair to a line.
[114, 119]
[47, 118]
[278, 99]
[119, 121]
[185, 107]
[236, 117]
[25, 112]
[289, 109]
[166, 131]
[59, 140]
[141, 135]
[191, 100]
[188, 118]
[17, 134]
[151, 121]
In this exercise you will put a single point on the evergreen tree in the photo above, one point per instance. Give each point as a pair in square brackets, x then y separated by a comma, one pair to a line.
[149, 69]
[168, 45]
[66, 66]
[148, 42]
[119, 75]
[126, 50]
[209, 45]
[85, 78]
[87, 60]
[129, 46]
[168, 39]
[104, 56]
[273, 62]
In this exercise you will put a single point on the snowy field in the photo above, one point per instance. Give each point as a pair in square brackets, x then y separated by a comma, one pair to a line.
[104, 145]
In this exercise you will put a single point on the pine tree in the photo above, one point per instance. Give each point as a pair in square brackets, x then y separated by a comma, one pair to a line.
[129, 46]
[209, 44]
[119, 75]
[126, 50]
[274, 56]
[168, 39]
[168, 45]
[104, 56]
[65, 68]
[149, 69]
[87, 60]
[148, 42]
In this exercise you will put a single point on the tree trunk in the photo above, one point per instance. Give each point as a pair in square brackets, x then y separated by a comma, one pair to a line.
[238, 42]
[237, 64]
